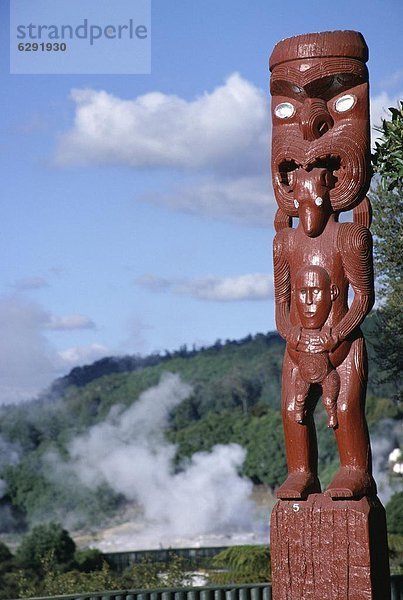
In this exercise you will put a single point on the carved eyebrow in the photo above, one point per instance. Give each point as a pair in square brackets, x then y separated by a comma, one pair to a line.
[345, 73]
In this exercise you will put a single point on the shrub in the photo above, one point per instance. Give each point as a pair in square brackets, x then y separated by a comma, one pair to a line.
[394, 513]
[242, 564]
[43, 540]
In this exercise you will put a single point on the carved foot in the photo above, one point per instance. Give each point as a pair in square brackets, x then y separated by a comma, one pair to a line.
[298, 486]
[331, 409]
[332, 422]
[351, 483]
[299, 410]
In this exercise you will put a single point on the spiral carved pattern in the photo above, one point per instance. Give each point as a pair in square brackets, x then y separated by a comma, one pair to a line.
[282, 282]
[313, 367]
[355, 245]
[354, 174]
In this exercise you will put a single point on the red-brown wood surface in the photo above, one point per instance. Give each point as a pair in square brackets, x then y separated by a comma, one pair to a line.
[332, 545]
[321, 167]
[329, 550]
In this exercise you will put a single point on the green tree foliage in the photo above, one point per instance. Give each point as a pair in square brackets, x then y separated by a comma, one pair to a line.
[141, 575]
[5, 553]
[388, 155]
[394, 514]
[261, 436]
[8, 581]
[236, 398]
[241, 564]
[395, 543]
[89, 559]
[32, 490]
[145, 575]
[387, 202]
[148, 574]
[43, 540]
[53, 581]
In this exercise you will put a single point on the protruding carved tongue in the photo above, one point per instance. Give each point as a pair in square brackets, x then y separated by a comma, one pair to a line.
[308, 219]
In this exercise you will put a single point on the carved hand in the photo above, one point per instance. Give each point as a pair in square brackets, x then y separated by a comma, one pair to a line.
[315, 342]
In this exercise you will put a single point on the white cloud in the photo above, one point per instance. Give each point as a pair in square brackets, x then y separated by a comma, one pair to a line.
[221, 139]
[243, 200]
[80, 355]
[251, 286]
[225, 130]
[27, 360]
[70, 322]
[379, 110]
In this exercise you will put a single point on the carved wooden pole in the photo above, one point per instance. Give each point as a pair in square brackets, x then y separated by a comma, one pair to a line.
[331, 545]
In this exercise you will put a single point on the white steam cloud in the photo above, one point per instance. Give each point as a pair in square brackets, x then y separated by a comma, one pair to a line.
[130, 453]
[389, 436]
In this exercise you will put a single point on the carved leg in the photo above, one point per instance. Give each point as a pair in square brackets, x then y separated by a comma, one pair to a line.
[300, 442]
[354, 478]
[331, 388]
[301, 393]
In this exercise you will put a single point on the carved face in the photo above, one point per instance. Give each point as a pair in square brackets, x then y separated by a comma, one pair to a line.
[313, 296]
[320, 115]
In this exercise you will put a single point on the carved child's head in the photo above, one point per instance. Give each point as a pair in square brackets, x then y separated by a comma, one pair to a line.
[314, 294]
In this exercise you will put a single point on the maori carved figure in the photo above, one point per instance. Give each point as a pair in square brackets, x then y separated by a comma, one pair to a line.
[314, 295]
[320, 168]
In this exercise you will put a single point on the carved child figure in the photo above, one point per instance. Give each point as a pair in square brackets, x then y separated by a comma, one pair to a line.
[314, 294]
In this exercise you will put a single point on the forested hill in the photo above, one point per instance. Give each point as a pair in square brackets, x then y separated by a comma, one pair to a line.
[235, 398]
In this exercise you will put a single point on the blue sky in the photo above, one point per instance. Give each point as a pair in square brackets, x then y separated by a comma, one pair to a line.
[137, 209]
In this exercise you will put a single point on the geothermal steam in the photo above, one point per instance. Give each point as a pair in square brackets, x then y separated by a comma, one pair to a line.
[129, 452]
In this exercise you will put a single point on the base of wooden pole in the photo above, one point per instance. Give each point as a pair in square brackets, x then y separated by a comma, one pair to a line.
[324, 549]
